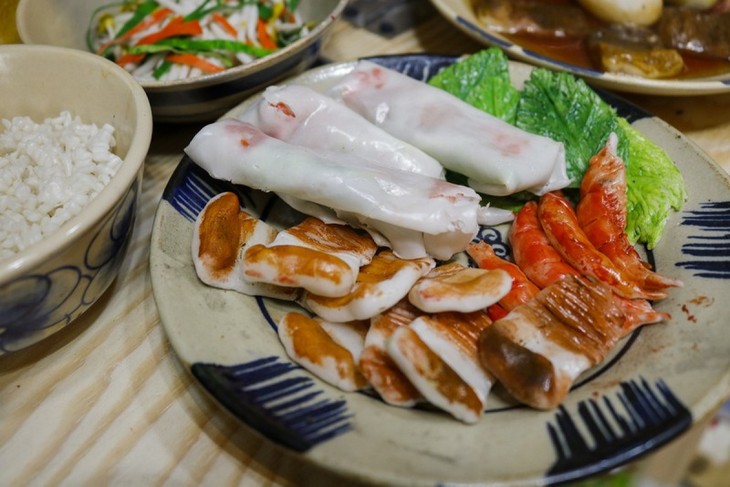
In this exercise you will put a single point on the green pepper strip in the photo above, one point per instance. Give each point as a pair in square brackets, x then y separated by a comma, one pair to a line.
[201, 11]
[196, 46]
[161, 69]
[142, 11]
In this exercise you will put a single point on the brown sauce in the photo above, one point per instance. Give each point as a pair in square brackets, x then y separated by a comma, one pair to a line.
[574, 51]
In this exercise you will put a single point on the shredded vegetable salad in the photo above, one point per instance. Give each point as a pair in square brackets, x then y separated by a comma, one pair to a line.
[167, 40]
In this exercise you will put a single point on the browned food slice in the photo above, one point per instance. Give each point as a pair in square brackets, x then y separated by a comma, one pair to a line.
[309, 345]
[455, 287]
[221, 234]
[699, 32]
[323, 259]
[538, 350]
[532, 17]
[377, 366]
[379, 285]
[454, 338]
[433, 377]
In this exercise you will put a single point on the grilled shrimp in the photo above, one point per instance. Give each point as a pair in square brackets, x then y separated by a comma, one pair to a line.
[601, 213]
[561, 227]
[522, 288]
[532, 251]
[543, 265]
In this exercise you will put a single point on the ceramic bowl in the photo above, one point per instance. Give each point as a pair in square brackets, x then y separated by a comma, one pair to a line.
[44, 287]
[65, 22]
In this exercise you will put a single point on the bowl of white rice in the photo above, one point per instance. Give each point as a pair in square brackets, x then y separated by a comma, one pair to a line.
[195, 58]
[74, 133]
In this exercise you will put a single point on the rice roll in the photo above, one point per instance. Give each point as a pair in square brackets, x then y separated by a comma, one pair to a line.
[441, 217]
[496, 157]
[302, 116]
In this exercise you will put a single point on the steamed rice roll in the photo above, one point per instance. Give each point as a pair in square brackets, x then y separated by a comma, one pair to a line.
[300, 115]
[420, 215]
[498, 158]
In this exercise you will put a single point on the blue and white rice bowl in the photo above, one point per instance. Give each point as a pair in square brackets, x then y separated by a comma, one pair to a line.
[46, 285]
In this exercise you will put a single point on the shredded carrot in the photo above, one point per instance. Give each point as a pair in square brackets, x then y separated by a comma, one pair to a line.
[263, 34]
[223, 22]
[496, 312]
[195, 62]
[154, 18]
[130, 59]
[176, 27]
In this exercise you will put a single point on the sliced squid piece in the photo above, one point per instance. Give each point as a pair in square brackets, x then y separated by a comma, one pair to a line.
[377, 366]
[538, 350]
[455, 287]
[310, 346]
[350, 335]
[454, 338]
[323, 259]
[300, 115]
[440, 211]
[433, 377]
[379, 285]
[221, 235]
[498, 158]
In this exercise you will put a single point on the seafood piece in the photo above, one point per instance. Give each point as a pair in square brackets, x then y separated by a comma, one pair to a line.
[538, 350]
[377, 366]
[522, 289]
[543, 265]
[561, 227]
[454, 337]
[379, 285]
[498, 158]
[601, 213]
[309, 345]
[532, 250]
[432, 216]
[455, 287]
[323, 259]
[433, 377]
[221, 235]
[300, 115]
[350, 335]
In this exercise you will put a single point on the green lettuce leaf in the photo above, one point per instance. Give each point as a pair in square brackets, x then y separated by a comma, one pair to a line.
[654, 187]
[564, 108]
[483, 81]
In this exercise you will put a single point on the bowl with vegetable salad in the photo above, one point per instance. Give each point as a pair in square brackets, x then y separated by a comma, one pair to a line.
[194, 58]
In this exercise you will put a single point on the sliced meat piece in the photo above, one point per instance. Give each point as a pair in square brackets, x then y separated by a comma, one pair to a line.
[309, 345]
[321, 258]
[221, 234]
[379, 285]
[433, 377]
[377, 366]
[538, 350]
[702, 33]
[455, 287]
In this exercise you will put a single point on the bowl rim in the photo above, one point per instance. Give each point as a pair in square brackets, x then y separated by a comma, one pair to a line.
[227, 74]
[141, 137]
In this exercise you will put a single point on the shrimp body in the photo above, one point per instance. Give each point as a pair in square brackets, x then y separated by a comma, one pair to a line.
[601, 214]
[532, 251]
[522, 289]
[564, 233]
[543, 265]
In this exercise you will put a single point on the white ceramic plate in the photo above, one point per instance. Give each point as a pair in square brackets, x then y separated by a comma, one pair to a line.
[459, 13]
[660, 381]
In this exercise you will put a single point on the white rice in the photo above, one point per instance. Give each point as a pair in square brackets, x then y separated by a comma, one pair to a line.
[49, 172]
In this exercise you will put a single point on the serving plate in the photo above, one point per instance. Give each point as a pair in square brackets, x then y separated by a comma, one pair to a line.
[660, 380]
[460, 13]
